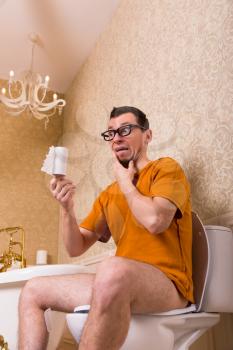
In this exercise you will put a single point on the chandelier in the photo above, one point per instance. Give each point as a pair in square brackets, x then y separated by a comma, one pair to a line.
[30, 93]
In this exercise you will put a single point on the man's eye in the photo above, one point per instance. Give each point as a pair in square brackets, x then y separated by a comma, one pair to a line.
[125, 130]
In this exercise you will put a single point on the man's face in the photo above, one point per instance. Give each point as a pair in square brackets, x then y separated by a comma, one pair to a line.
[128, 147]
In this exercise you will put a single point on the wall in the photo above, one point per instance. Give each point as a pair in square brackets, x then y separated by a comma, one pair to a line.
[174, 60]
[24, 197]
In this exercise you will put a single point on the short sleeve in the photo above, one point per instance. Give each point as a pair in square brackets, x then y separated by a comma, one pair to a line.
[96, 221]
[170, 182]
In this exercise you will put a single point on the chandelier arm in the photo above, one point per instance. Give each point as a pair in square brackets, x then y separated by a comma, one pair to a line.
[15, 104]
[37, 114]
[52, 112]
[37, 88]
[32, 95]
[43, 107]
[21, 97]
[10, 86]
[59, 102]
[16, 113]
[45, 90]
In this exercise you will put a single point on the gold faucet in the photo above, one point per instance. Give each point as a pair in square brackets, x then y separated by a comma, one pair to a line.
[3, 344]
[8, 258]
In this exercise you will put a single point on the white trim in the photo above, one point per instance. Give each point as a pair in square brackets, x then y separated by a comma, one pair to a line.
[96, 258]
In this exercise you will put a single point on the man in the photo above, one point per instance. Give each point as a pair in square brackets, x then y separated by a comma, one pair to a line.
[147, 211]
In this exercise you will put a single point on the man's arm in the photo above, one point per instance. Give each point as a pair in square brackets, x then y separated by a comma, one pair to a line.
[76, 239]
[155, 214]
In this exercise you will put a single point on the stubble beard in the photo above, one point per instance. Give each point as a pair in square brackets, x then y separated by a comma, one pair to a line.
[125, 163]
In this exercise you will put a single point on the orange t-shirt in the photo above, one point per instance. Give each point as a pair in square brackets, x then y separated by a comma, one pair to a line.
[171, 250]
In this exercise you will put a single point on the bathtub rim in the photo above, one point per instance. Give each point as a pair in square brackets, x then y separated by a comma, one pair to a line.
[27, 273]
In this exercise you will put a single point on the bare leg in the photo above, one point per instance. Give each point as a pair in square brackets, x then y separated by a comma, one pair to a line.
[62, 293]
[122, 287]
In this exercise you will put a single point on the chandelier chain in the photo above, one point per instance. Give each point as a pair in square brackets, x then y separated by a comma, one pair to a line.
[32, 57]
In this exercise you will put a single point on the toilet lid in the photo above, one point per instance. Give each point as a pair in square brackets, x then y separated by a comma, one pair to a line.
[200, 251]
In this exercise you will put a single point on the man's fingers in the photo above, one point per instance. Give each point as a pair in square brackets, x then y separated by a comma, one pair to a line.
[114, 156]
[60, 186]
[53, 183]
[67, 196]
[58, 182]
[59, 177]
[61, 191]
[131, 165]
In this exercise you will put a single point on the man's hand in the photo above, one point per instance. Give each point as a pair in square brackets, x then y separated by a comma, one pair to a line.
[124, 176]
[63, 190]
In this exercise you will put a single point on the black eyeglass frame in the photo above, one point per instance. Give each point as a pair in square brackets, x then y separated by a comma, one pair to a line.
[117, 131]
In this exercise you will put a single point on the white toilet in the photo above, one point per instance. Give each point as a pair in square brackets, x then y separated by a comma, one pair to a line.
[213, 290]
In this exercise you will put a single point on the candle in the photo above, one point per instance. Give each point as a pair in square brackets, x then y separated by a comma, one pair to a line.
[41, 257]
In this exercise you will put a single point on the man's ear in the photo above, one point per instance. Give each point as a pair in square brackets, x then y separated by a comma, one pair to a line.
[148, 136]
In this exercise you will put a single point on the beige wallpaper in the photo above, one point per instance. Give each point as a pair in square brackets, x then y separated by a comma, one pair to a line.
[174, 60]
[24, 197]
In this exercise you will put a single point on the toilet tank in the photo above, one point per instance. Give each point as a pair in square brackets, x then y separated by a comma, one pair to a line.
[218, 291]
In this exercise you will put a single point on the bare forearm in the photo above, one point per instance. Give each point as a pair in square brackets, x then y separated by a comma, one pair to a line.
[73, 238]
[143, 209]
[155, 214]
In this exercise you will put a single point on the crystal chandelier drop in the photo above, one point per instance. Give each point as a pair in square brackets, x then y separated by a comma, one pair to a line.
[30, 93]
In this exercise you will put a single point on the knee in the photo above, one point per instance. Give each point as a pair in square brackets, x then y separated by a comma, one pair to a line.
[30, 291]
[112, 283]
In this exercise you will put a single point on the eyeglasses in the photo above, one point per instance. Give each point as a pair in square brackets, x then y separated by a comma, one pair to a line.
[123, 130]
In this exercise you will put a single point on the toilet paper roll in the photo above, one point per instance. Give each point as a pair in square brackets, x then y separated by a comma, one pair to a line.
[41, 257]
[60, 161]
[55, 162]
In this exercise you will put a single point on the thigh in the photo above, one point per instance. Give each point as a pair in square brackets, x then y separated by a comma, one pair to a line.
[150, 290]
[61, 293]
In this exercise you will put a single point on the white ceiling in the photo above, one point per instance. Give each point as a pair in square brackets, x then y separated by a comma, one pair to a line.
[68, 31]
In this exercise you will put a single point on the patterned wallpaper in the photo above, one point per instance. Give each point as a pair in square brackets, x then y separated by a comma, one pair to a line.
[24, 196]
[174, 60]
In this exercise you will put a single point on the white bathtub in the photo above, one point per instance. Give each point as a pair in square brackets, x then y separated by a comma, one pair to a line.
[11, 283]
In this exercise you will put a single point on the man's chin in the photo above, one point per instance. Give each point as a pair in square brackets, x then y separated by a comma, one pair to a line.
[125, 162]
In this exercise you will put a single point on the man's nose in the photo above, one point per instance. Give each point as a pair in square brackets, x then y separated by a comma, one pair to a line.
[117, 137]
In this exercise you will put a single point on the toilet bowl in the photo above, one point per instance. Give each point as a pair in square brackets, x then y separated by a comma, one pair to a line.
[213, 288]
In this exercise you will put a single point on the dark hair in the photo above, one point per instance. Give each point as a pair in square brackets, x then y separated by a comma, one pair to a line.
[140, 116]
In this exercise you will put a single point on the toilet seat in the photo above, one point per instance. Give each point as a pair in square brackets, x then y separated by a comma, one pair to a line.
[186, 310]
[84, 309]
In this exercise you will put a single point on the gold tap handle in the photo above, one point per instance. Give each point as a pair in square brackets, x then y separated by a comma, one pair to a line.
[11, 231]
[23, 261]
[3, 344]
[8, 229]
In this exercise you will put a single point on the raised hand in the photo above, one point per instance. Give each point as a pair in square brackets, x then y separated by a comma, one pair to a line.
[63, 190]
[124, 176]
